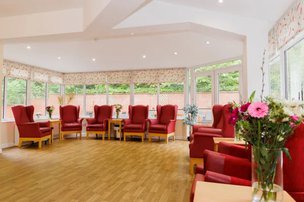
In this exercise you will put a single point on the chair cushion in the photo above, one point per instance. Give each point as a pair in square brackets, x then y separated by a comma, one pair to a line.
[134, 128]
[158, 128]
[95, 127]
[71, 127]
[167, 114]
[139, 114]
[45, 130]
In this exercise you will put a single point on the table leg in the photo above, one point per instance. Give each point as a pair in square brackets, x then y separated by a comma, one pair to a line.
[109, 130]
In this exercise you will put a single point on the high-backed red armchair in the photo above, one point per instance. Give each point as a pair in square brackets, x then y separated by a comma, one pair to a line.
[136, 125]
[217, 125]
[99, 124]
[70, 121]
[28, 129]
[204, 140]
[164, 125]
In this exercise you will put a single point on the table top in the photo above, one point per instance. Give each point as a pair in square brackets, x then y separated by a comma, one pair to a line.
[54, 120]
[227, 140]
[115, 120]
[216, 192]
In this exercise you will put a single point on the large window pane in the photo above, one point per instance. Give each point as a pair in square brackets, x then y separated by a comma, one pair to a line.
[229, 87]
[275, 78]
[120, 94]
[74, 95]
[15, 95]
[204, 98]
[295, 64]
[146, 94]
[95, 95]
[53, 98]
[38, 97]
[172, 93]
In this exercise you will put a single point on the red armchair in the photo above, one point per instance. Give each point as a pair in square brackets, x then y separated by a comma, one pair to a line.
[28, 129]
[164, 125]
[216, 128]
[70, 122]
[203, 140]
[99, 124]
[136, 125]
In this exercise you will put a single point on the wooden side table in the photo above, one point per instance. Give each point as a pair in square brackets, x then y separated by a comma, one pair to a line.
[217, 192]
[115, 121]
[217, 140]
[52, 123]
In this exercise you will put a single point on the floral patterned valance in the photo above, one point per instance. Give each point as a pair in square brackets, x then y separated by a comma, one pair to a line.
[287, 27]
[85, 78]
[28, 72]
[119, 77]
[159, 75]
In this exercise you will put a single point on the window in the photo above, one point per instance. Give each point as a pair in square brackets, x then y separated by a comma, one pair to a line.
[275, 78]
[95, 95]
[74, 95]
[146, 94]
[217, 84]
[38, 97]
[204, 97]
[15, 94]
[120, 94]
[228, 87]
[295, 71]
[172, 93]
[54, 93]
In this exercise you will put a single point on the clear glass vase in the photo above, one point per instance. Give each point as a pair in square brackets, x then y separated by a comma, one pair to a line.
[267, 175]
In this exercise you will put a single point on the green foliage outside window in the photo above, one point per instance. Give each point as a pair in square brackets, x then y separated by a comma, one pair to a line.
[229, 81]
[15, 91]
[38, 90]
[74, 89]
[145, 88]
[203, 84]
[171, 88]
[119, 89]
[54, 88]
[95, 89]
[218, 66]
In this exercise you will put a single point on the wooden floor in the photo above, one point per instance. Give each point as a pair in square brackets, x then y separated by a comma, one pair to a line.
[96, 170]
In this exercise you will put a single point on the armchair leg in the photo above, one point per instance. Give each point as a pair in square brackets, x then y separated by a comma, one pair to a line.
[20, 143]
[167, 140]
[80, 135]
[87, 134]
[142, 138]
[150, 139]
[125, 138]
[40, 144]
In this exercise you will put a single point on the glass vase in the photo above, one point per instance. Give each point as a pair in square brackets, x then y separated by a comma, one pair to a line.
[267, 175]
[117, 114]
[50, 115]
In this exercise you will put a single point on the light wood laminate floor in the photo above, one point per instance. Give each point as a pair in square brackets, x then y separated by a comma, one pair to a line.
[96, 170]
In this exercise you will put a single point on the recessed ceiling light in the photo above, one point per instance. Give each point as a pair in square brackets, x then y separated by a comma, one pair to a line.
[175, 53]
[132, 33]
[207, 42]
[144, 56]
[59, 58]
[93, 59]
[28, 47]
[221, 1]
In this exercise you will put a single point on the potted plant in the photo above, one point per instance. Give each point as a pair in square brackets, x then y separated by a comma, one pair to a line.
[50, 110]
[190, 118]
[118, 108]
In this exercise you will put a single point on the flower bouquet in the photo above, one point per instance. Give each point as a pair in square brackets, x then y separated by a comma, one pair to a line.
[118, 108]
[266, 126]
[50, 110]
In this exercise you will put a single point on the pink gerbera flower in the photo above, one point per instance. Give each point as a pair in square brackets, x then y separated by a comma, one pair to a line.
[258, 110]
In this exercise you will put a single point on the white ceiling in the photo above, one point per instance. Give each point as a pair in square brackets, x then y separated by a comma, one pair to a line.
[268, 10]
[120, 48]
[22, 7]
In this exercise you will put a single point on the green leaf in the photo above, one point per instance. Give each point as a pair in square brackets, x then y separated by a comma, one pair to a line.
[286, 151]
[252, 96]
